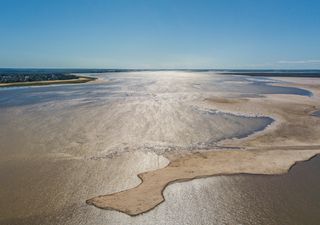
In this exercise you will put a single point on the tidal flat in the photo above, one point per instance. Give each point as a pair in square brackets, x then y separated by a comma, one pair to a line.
[62, 145]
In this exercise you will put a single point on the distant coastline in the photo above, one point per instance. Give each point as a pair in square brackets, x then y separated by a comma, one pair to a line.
[248, 72]
[11, 77]
[35, 77]
[77, 80]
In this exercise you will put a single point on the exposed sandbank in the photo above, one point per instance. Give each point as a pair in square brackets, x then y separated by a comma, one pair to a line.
[148, 194]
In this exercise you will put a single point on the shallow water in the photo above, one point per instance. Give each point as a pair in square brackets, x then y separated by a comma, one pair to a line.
[316, 113]
[60, 145]
[135, 111]
[291, 198]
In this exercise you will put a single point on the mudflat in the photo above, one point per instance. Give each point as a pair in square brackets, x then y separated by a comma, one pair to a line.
[64, 144]
[292, 138]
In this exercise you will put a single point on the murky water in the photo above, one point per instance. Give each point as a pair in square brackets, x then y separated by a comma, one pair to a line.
[60, 145]
[316, 113]
[292, 198]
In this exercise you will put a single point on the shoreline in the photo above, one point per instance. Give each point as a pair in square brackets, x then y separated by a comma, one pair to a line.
[79, 80]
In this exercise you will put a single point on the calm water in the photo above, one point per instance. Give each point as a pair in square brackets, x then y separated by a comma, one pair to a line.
[293, 198]
[316, 113]
[60, 145]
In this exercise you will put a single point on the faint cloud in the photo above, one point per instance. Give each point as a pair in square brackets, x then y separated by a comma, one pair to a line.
[310, 61]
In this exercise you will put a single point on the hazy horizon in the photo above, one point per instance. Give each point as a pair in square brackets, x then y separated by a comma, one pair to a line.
[159, 69]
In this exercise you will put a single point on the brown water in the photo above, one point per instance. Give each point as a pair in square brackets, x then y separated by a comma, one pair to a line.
[55, 194]
[293, 198]
[61, 145]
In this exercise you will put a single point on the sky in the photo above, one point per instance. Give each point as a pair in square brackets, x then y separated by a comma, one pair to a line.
[160, 34]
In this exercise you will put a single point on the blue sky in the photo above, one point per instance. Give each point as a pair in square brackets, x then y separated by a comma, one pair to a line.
[160, 34]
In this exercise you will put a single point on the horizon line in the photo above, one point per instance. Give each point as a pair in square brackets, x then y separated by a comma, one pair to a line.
[149, 69]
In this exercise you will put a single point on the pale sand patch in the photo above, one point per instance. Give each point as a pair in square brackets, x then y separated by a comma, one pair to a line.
[149, 193]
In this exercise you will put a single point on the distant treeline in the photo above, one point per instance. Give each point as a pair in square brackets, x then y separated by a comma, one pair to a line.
[27, 77]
